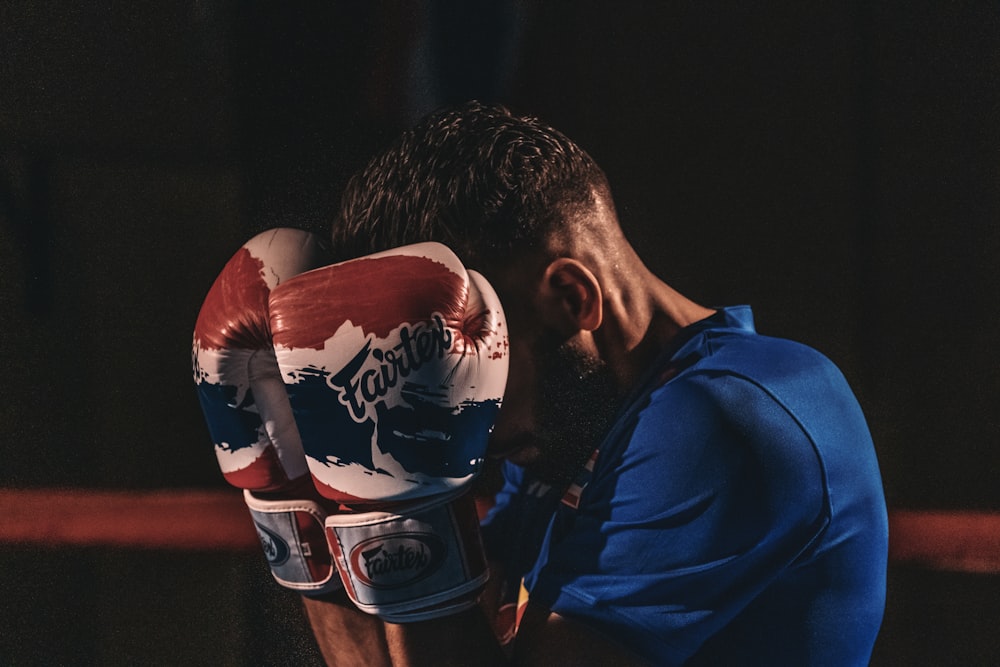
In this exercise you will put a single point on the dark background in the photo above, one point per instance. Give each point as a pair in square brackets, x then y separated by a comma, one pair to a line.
[835, 164]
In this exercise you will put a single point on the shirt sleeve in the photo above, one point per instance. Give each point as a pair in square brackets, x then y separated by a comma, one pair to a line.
[717, 491]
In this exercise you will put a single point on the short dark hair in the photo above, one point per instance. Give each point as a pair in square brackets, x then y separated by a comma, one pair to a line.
[478, 178]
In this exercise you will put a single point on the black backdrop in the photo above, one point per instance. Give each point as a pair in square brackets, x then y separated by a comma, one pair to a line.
[837, 165]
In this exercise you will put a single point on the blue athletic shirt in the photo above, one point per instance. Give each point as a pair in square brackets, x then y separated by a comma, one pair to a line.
[734, 514]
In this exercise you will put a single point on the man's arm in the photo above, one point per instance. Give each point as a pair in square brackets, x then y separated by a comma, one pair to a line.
[461, 639]
[346, 637]
[545, 638]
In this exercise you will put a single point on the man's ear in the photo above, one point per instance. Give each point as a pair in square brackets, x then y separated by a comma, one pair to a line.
[570, 296]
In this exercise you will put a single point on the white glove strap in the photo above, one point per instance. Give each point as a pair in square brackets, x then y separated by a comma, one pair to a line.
[423, 561]
[294, 542]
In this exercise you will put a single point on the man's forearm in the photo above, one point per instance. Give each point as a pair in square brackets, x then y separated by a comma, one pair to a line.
[346, 636]
[461, 639]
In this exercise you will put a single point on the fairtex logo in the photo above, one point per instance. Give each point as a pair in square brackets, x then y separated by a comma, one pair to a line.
[397, 560]
[275, 549]
[360, 383]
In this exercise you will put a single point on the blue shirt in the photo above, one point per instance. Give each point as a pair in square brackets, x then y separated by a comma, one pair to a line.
[734, 513]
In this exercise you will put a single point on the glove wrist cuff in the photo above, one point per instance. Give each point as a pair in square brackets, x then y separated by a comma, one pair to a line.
[294, 542]
[424, 560]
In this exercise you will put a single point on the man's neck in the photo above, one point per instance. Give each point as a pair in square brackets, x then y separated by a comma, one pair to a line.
[641, 319]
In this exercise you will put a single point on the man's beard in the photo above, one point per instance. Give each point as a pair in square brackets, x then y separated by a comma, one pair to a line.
[577, 405]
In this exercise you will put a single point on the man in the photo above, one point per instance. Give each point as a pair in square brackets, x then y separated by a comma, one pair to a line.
[678, 489]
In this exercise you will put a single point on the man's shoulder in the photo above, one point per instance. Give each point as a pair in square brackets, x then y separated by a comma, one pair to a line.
[754, 366]
[732, 367]
[746, 395]
[754, 354]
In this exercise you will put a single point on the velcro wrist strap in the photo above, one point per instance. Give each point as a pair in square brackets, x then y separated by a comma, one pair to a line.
[425, 560]
[294, 542]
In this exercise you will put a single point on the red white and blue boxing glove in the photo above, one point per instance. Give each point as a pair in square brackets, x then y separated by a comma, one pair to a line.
[247, 411]
[395, 366]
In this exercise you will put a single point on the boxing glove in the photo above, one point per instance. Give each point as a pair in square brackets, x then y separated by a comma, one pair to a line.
[395, 366]
[247, 412]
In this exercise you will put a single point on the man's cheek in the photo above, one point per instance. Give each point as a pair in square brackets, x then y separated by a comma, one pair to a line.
[512, 422]
[520, 390]
[515, 419]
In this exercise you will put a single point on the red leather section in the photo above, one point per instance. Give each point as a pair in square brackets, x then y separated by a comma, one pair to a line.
[377, 294]
[264, 474]
[231, 316]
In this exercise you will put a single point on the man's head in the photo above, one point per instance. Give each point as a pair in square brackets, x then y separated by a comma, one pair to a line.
[524, 205]
[489, 184]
